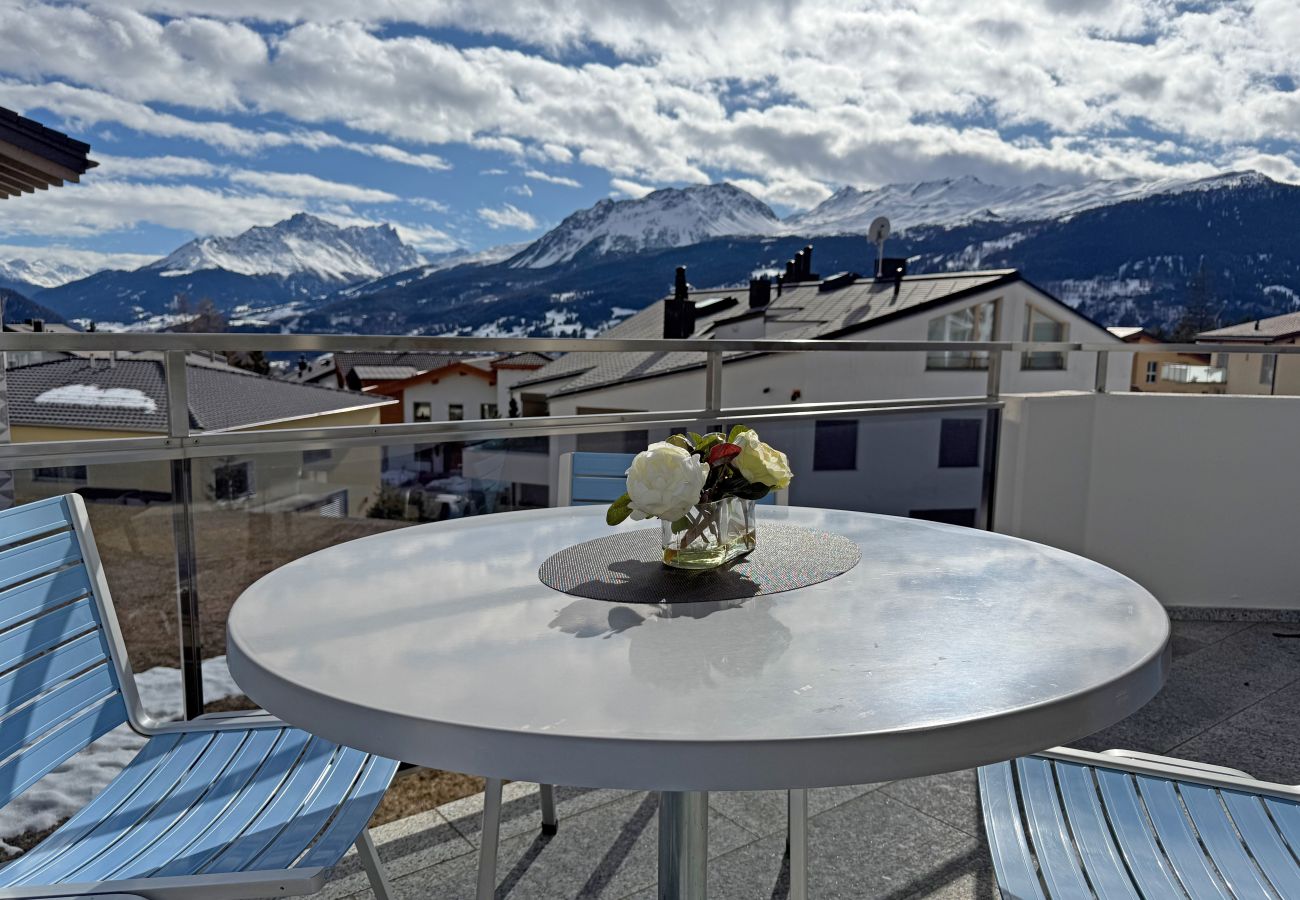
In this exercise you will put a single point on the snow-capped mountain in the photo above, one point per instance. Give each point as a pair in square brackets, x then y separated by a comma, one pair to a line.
[672, 217]
[252, 276]
[26, 274]
[958, 201]
[301, 244]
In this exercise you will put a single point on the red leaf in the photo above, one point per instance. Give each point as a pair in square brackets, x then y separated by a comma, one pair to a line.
[720, 453]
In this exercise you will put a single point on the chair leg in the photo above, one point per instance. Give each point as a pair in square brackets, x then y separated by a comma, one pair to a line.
[374, 867]
[488, 840]
[550, 823]
[798, 839]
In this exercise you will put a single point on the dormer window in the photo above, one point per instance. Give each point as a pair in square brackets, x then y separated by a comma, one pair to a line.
[974, 323]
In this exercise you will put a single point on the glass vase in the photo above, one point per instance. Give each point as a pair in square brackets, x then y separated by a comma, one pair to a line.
[710, 534]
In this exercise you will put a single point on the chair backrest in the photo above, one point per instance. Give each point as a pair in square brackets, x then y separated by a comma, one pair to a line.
[60, 687]
[591, 479]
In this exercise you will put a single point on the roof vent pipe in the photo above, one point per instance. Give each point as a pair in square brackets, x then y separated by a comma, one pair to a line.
[1257, 324]
[38, 324]
[760, 292]
[679, 310]
[680, 288]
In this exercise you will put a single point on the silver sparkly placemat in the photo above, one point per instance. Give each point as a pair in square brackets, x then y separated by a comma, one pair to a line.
[627, 567]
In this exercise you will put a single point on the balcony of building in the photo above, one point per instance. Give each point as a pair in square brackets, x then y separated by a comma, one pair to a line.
[1180, 492]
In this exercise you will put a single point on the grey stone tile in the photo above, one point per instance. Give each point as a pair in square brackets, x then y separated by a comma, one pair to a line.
[609, 851]
[1265, 756]
[952, 798]
[521, 809]
[765, 812]
[405, 846]
[872, 846]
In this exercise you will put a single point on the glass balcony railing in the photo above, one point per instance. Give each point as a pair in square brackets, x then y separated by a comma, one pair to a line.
[1181, 373]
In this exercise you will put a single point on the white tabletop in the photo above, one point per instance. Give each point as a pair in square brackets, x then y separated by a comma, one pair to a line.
[943, 648]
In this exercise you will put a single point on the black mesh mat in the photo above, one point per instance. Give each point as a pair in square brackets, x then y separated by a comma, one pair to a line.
[627, 567]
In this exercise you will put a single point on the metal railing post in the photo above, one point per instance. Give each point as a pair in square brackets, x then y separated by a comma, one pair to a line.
[1103, 366]
[994, 387]
[713, 382]
[989, 479]
[187, 585]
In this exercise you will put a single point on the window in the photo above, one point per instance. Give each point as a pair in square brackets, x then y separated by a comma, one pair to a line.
[1041, 327]
[455, 412]
[1267, 367]
[974, 323]
[421, 411]
[60, 473]
[947, 516]
[1153, 372]
[487, 411]
[959, 443]
[612, 442]
[835, 445]
[1221, 360]
[316, 457]
[233, 481]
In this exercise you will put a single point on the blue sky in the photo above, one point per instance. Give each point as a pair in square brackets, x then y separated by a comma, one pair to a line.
[469, 125]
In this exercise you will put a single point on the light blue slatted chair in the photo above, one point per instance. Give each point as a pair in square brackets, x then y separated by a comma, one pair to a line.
[1068, 824]
[598, 479]
[234, 805]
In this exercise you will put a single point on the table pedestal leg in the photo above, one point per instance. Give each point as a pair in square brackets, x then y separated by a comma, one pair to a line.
[683, 845]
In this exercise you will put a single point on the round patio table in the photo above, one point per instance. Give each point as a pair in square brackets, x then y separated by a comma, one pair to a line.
[944, 648]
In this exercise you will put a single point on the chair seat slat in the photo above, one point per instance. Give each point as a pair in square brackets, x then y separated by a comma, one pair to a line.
[46, 592]
[27, 724]
[333, 785]
[1058, 860]
[40, 758]
[354, 814]
[1017, 875]
[1266, 845]
[286, 800]
[128, 816]
[1220, 839]
[1151, 869]
[601, 465]
[184, 841]
[104, 805]
[1101, 858]
[119, 859]
[600, 490]
[19, 523]
[270, 764]
[43, 555]
[1287, 817]
[35, 637]
[1179, 840]
[36, 675]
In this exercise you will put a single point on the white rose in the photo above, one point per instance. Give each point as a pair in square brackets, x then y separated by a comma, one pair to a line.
[762, 464]
[665, 481]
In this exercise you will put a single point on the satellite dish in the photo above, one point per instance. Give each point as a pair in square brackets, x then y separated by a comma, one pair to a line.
[876, 233]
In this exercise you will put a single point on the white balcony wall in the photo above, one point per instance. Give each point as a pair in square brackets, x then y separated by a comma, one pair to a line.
[1187, 494]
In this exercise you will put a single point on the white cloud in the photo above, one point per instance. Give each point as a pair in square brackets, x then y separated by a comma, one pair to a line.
[539, 175]
[508, 216]
[522, 190]
[302, 185]
[629, 188]
[154, 166]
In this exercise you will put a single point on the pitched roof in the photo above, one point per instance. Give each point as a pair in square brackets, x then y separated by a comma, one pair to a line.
[803, 310]
[384, 373]
[1269, 329]
[417, 360]
[35, 157]
[131, 395]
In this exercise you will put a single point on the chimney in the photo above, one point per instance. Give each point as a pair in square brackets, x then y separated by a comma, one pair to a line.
[679, 310]
[38, 324]
[302, 362]
[790, 274]
[760, 292]
[801, 266]
[807, 263]
[1257, 324]
[780, 283]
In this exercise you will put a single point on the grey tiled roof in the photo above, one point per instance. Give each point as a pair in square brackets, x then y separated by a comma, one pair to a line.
[802, 311]
[384, 373]
[420, 362]
[132, 396]
[1262, 330]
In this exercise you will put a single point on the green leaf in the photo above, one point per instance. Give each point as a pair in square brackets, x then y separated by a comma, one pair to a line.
[752, 491]
[681, 524]
[681, 440]
[708, 441]
[619, 510]
[695, 438]
[737, 431]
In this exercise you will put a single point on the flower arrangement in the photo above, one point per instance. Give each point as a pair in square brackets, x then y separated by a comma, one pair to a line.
[703, 488]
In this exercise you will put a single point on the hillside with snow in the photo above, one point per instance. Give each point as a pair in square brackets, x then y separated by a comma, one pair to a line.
[672, 217]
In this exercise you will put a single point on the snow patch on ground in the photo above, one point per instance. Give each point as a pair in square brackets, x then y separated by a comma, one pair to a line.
[72, 785]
